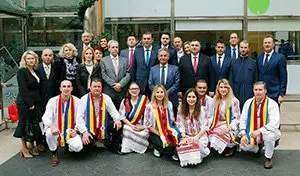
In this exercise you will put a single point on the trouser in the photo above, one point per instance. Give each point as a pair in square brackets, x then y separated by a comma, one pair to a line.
[112, 141]
[269, 144]
[158, 145]
[74, 144]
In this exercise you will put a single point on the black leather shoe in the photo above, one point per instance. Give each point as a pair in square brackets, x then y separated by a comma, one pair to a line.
[268, 163]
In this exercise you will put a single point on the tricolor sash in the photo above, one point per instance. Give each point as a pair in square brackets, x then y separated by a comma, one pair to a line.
[203, 102]
[170, 134]
[91, 118]
[65, 119]
[137, 111]
[252, 124]
[228, 115]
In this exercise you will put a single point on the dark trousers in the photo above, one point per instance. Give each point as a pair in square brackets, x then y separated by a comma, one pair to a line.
[157, 144]
[112, 141]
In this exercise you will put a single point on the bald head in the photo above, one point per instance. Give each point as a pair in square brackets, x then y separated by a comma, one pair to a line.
[47, 56]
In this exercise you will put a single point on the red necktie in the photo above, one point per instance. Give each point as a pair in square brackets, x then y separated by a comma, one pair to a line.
[195, 64]
[130, 58]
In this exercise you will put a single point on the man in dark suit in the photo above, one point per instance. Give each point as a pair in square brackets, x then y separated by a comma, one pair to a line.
[165, 43]
[115, 74]
[196, 66]
[177, 43]
[45, 72]
[129, 52]
[233, 50]
[272, 70]
[86, 39]
[144, 58]
[220, 62]
[166, 74]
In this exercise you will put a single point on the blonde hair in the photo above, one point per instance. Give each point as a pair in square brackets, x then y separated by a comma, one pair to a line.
[229, 97]
[70, 46]
[153, 97]
[83, 54]
[25, 54]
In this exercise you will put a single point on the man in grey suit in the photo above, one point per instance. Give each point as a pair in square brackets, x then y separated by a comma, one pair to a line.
[115, 73]
[166, 74]
[128, 52]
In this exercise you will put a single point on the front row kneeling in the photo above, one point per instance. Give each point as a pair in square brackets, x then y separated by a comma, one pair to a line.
[194, 129]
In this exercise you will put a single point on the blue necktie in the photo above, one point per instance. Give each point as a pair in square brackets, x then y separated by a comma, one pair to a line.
[266, 60]
[147, 57]
[219, 63]
[233, 53]
[162, 76]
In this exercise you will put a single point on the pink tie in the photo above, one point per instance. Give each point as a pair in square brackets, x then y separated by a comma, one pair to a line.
[130, 58]
[195, 64]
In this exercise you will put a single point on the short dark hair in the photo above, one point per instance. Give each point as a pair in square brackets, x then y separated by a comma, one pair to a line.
[95, 80]
[148, 33]
[166, 33]
[132, 34]
[220, 41]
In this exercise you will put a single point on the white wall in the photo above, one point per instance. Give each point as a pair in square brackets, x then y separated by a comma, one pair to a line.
[293, 79]
[136, 8]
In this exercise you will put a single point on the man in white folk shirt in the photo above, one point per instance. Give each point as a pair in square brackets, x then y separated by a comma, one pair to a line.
[98, 118]
[259, 124]
[59, 120]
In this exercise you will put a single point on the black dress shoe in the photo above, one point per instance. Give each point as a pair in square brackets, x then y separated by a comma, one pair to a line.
[268, 163]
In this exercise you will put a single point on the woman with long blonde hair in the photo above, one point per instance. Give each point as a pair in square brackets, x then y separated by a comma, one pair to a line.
[86, 71]
[224, 127]
[192, 123]
[159, 119]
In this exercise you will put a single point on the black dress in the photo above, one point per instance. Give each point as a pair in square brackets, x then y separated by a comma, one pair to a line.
[28, 96]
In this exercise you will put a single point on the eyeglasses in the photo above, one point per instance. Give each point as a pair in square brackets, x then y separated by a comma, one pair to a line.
[68, 86]
[134, 88]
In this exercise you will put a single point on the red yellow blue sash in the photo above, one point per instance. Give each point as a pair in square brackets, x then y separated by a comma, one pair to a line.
[203, 102]
[65, 119]
[91, 117]
[137, 111]
[170, 134]
[228, 115]
[252, 124]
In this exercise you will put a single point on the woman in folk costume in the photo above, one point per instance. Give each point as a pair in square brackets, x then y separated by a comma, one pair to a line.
[159, 120]
[192, 124]
[135, 135]
[224, 127]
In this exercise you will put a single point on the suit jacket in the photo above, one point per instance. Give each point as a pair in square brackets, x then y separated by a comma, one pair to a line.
[82, 76]
[225, 68]
[29, 91]
[275, 74]
[47, 90]
[204, 71]
[172, 81]
[109, 77]
[140, 71]
[173, 55]
[125, 53]
[228, 51]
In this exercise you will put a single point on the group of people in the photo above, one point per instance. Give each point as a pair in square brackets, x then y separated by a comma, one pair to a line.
[145, 85]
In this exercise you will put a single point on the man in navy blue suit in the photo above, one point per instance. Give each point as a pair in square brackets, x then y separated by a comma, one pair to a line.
[220, 62]
[272, 70]
[129, 52]
[143, 59]
[165, 43]
[167, 75]
[233, 50]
